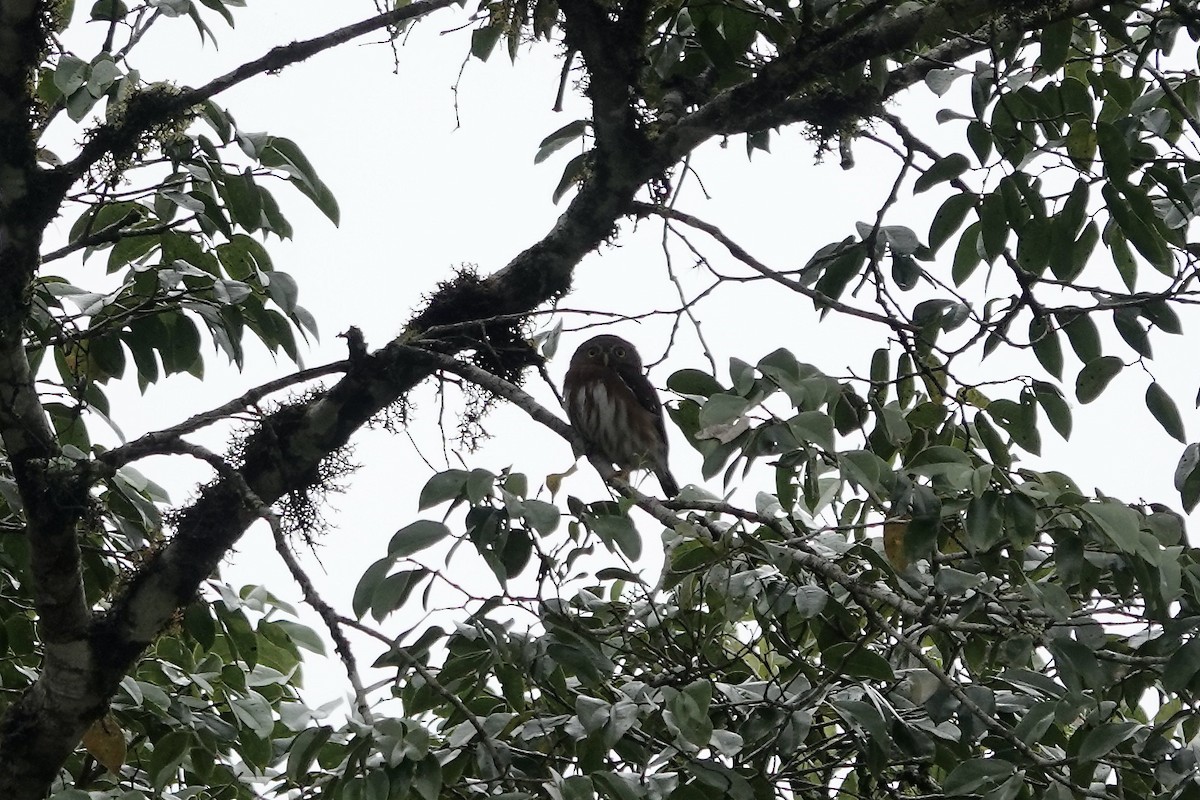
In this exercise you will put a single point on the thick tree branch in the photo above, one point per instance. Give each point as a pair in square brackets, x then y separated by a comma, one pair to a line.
[613, 51]
[774, 97]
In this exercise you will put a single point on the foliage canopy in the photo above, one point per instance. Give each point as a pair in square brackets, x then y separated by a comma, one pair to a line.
[904, 608]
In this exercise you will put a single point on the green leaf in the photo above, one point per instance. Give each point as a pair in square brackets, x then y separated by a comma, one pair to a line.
[1082, 333]
[1145, 238]
[1081, 144]
[978, 776]
[689, 711]
[949, 218]
[1095, 376]
[367, 584]
[994, 226]
[966, 256]
[393, 591]
[1114, 151]
[1118, 521]
[1019, 420]
[694, 382]
[848, 659]
[942, 170]
[1046, 346]
[867, 470]
[198, 622]
[304, 749]
[254, 712]
[104, 73]
[990, 438]
[416, 537]
[1163, 407]
[880, 375]
[726, 783]
[1163, 316]
[1182, 666]
[1187, 476]
[1033, 246]
[243, 199]
[1070, 220]
[1068, 255]
[814, 427]
[561, 138]
[839, 273]
[70, 74]
[618, 530]
[169, 751]
[443, 486]
[864, 716]
[427, 781]
[284, 154]
[1051, 399]
[1036, 722]
[1100, 741]
[302, 635]
[109, 10]
[980, 139]
[1055, 41]
[542, 516]
[1126, 322]
[571, 175]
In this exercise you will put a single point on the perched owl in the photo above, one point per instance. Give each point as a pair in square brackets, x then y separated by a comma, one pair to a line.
[614, 407]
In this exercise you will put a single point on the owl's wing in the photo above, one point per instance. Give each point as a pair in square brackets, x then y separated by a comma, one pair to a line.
[640, 386]
[644, 393]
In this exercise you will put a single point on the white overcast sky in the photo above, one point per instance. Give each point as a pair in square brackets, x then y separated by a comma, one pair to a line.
[421, 192]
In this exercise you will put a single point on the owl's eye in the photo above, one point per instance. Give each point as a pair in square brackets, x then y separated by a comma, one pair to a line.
[619, 351]
[593, 352]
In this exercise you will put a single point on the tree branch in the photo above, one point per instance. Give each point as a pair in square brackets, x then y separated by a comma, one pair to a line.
[157, 442]
[147, 110]
[738, 252]
[773, 98]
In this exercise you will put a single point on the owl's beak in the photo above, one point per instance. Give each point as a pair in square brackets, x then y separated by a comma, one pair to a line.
[604, 356]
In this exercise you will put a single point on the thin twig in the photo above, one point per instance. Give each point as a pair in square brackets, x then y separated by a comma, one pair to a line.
[326, 612]
[738, 252]
[160, 441]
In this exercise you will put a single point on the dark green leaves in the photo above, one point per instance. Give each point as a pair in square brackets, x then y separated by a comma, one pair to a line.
[1187, 476]
[944, 169]
[1095, 376]
[416, 537]
[284, 154]
[1165, 411]
[1046, 346]
[948, 219]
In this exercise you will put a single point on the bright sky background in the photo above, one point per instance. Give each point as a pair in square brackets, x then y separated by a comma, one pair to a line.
[421, 192]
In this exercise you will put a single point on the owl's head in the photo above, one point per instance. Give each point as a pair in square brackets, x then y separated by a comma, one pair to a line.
[607, 350]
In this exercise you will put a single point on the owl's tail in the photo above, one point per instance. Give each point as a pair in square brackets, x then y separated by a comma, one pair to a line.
[667, 481]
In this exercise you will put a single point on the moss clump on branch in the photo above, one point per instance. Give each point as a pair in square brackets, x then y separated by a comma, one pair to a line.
[462, 312]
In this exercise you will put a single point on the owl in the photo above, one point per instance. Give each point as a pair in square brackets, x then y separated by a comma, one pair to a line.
[615, 409]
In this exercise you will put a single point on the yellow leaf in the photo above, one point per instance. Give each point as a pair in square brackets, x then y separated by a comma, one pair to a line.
[106, 742]
[893, 542]
[554, 479]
